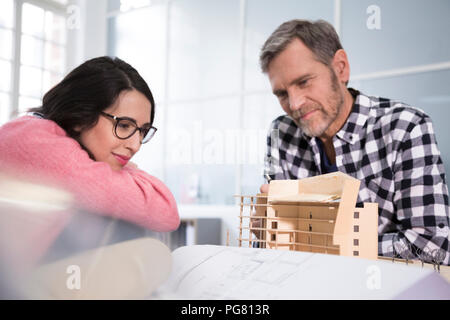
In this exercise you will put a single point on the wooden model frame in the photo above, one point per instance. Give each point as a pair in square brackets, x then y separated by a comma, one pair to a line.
[316, 214]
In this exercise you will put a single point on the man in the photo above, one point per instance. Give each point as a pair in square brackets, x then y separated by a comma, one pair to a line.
[389, 146]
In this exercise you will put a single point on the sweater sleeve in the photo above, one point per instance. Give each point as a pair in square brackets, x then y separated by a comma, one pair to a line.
[39, 150]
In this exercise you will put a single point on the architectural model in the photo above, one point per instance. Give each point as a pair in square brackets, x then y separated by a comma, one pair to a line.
[316, 214]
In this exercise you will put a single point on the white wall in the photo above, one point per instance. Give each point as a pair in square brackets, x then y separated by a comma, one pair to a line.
[87, 31]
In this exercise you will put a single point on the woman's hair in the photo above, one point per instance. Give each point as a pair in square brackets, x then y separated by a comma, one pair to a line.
[77, 101]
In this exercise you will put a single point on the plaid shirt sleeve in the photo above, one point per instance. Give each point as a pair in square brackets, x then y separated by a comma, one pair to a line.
[420, 198]
[272, 161]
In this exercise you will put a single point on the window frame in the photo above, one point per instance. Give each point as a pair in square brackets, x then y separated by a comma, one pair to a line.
[47, 5]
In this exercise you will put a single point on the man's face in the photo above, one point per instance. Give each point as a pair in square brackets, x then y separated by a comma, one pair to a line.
[308, 90]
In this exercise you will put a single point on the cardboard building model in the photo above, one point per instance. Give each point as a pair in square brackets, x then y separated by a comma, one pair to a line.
[316, 214]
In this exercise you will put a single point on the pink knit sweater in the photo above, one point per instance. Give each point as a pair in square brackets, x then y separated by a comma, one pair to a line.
[40, 151]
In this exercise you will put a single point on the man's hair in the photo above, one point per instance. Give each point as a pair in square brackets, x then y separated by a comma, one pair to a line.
[79, 99]
[319, 36]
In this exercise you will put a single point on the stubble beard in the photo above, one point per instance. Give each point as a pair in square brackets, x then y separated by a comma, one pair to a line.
[336, 101]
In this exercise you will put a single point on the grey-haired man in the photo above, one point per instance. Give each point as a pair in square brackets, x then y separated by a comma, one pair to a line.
[389, 146]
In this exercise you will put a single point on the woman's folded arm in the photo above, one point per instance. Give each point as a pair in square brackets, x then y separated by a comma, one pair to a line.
[39, 150]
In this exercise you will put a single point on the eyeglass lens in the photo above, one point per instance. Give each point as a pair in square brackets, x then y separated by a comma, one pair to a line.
[126, 128]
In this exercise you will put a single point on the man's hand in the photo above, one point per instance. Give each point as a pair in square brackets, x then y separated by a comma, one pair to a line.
[264, 188]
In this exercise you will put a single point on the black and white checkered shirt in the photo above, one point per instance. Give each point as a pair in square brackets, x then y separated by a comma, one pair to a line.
[391, 148]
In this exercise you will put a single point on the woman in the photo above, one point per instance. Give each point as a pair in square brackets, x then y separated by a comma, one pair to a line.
[82, 139]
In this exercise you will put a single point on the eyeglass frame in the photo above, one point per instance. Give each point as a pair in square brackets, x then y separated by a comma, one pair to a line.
[136, 128]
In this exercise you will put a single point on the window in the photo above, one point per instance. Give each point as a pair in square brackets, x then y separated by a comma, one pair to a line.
[33, 52]
[43, 52]
[6, 57]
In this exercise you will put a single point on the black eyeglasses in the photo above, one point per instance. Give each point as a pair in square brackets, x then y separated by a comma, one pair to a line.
[125, 127]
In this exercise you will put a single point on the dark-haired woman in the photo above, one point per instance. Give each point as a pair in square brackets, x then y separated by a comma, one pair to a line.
[82, 138]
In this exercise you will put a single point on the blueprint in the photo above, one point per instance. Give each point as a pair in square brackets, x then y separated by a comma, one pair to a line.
[220, 272]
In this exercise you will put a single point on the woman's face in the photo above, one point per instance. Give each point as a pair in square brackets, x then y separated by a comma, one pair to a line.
[100, 139]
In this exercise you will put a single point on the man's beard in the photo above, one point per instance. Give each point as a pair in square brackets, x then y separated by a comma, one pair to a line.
[335, 101]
